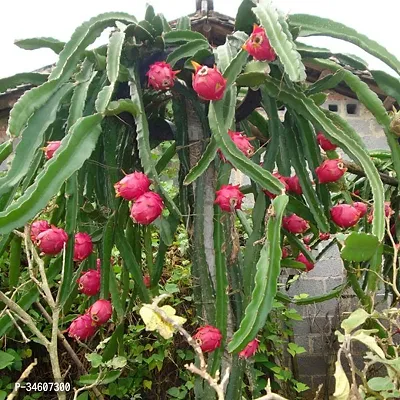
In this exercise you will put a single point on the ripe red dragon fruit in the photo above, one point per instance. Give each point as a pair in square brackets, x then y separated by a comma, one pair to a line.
[242, 142]
[307, 239]
[100, 311]
[82, 327]
[147, 280]
[330, 171]
[51, 148]
[229, 198]
[303, 259]
[132, 186]
[324, 235]
[345, 215]
[89, 282]
[37, 227]
[283, 179]
[259, 46]
[83, 246]
[208, 83]
[147, 208]
[161, 76]
[294, 185]
[52, 240]
[325, 143]
[250, 349]
[209, 338]
[361, 207]
[295, 224]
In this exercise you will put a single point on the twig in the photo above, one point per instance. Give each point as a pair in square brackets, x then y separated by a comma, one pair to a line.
[25, 339]
[23, 376]
[270, 395]
[88, 387]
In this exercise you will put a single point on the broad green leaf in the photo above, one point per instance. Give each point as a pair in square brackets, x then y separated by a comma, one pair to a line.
[342, 385]
[94, 359]
[31, 139]
[225, 54]
[83, 36]
[311, 25]
[27, 104]
[75, 148]
[363, 337]
[105, 378]
[166, 26]
[281, 43]
[6, 149]
[6, 359]
[266, 279]
[182, 36]
[354, 320]
[187, 50]
[359, 246]
[381, 383]
[183, 24]
[41, 43]
[388, 83]
[31, 78]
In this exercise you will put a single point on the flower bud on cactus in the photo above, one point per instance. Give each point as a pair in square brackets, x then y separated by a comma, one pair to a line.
[98, 264]
[308, 264]
[52, 240]
[307, 239]
[295, 224]
[283, 179]
[37, 227]
[285, 252]
[395, 123]
[83, 246]
[361, 207]
[82, 327]
[345, 215]
[147, 281]
[294, 185]
[330, 171]
[89, 282]
[51, 148]
[258, 45]
[209, 338]
[229, 198]
[208, 83]
[250, 349]
[388, 212]
[161, 76]
[325, 143]
[324, 236]
[132, 186]
[100, 311]
[147, 208]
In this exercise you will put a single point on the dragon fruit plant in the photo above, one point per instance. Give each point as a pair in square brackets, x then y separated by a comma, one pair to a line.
[88, 224]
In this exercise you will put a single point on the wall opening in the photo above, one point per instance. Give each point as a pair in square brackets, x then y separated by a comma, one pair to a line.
[351, 109]
[333, 107]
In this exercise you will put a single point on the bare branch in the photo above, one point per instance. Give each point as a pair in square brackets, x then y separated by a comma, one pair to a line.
[23, 376]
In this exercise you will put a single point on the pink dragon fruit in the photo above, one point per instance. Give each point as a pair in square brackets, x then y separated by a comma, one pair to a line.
[283, 179]
[147, 208]
[325, 143]
[89, 282]
[100, 311]
[208, 83]
[82, 327]
[209, 338]
[324, 235]
[361, 207]
[259, 46]
[161, 76]
[294, 185]
[250, 349]
[51, 148]
[330, 171]
[38, 227]
[132, 186]
[295, 224]
[345, 215]
[229, 198]
[308, 264]
[51, 241]
[83, 246]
